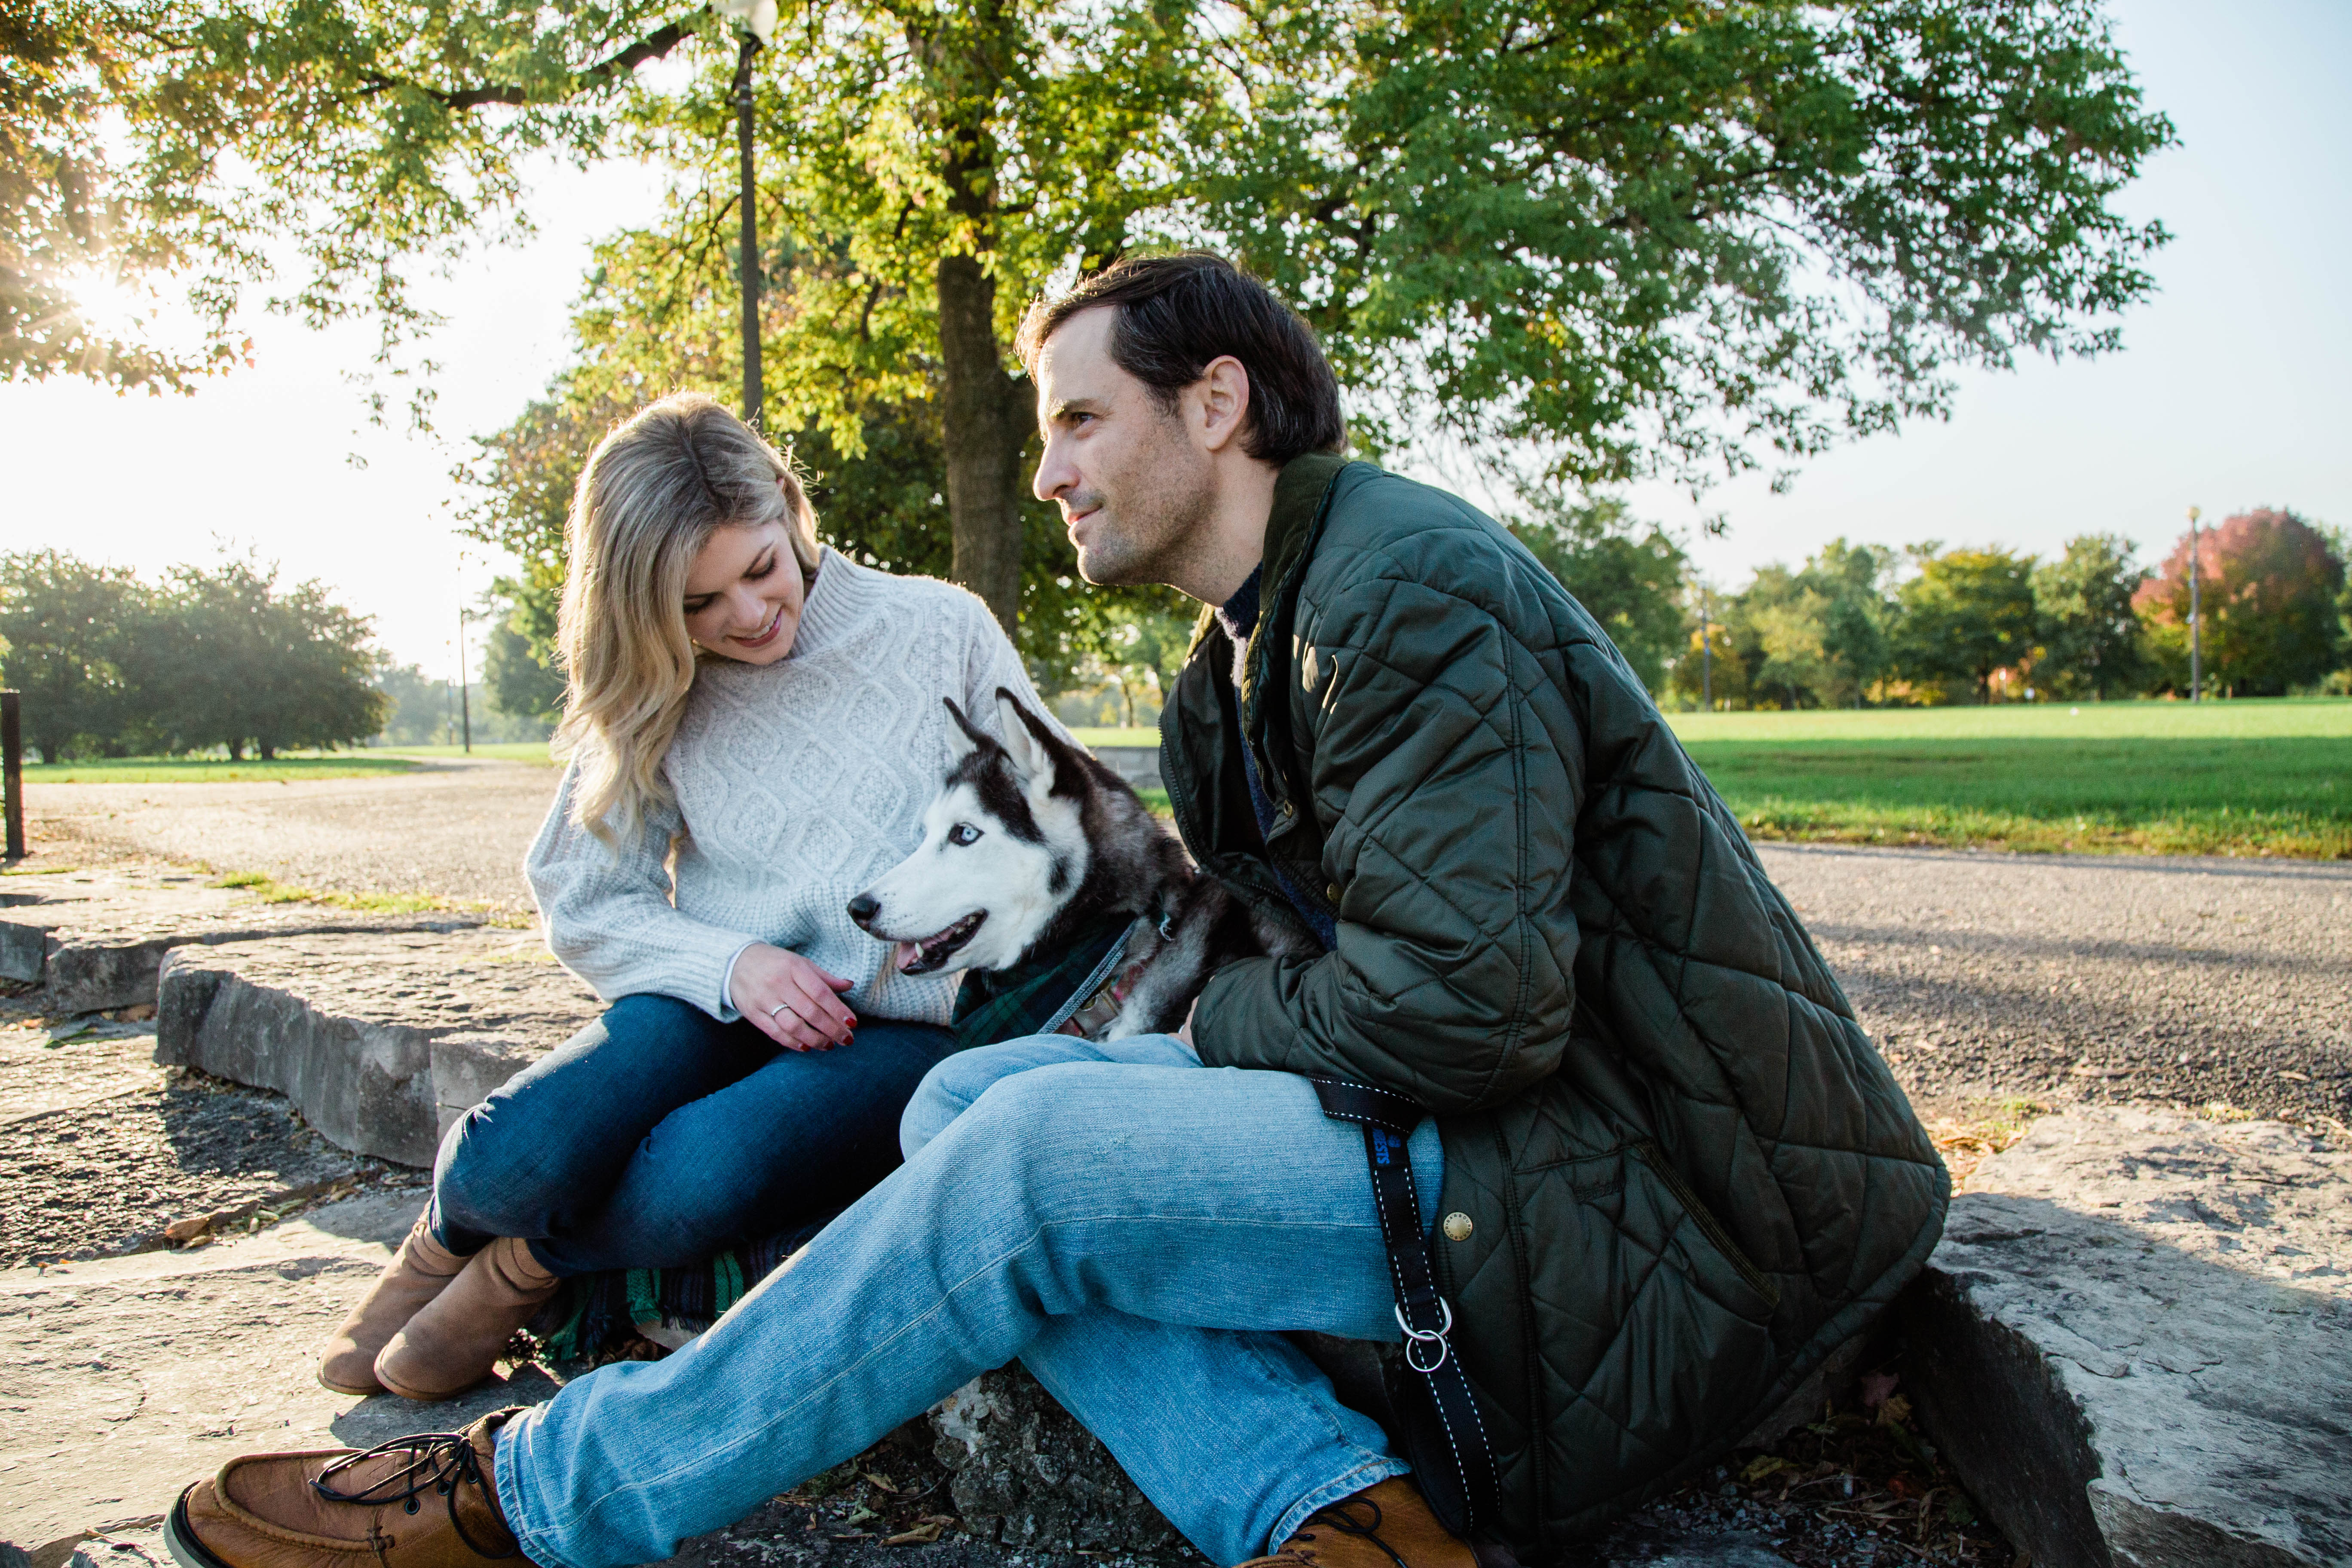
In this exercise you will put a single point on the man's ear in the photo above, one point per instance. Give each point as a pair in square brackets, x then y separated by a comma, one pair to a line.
[1224, 407]
[1028, 741]
[968, 737]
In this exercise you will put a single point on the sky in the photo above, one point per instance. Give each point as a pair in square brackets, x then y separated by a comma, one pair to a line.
[2230, 392]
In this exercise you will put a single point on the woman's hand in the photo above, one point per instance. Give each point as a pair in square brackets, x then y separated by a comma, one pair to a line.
[791, 1000]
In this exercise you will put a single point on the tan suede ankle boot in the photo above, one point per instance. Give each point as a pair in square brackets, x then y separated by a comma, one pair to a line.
[454, 1342]
[1384, 1526]
[418, 1273]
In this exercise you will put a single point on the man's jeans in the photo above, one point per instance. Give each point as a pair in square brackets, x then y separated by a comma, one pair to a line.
[1123, 1220]
[659, 1136]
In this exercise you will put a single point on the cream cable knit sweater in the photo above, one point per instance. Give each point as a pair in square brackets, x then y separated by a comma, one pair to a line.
[797, 785]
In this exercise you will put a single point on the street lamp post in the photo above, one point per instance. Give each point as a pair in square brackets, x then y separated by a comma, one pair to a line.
[1705, 651]
[2196, 620]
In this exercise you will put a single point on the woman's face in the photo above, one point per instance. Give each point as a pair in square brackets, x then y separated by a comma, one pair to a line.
[744, 593]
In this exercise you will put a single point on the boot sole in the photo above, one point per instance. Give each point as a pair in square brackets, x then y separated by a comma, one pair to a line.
[354, 1391]
[421, 1397]
[186, 1549]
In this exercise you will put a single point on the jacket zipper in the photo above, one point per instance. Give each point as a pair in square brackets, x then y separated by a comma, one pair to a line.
[1704, 1217]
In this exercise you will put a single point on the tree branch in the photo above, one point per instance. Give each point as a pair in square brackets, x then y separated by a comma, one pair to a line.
[652, 46]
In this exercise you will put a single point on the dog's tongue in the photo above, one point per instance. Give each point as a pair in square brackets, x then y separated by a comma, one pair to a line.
[908, 953]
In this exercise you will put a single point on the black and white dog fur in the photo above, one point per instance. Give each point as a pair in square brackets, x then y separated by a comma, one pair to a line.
[1030, 844]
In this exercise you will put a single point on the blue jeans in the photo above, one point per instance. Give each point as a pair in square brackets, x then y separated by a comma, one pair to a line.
[1127, 1223]
[659, 1136]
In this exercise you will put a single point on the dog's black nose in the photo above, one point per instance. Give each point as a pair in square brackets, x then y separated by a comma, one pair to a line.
[864, 908]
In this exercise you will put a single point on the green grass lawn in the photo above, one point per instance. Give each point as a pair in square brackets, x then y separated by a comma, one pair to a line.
[2222, 778]
[502, 751]
[1138, 737]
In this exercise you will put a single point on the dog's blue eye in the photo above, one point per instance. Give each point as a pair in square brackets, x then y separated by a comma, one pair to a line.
[963, 832]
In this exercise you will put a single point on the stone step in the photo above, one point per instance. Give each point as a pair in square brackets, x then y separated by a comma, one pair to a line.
[380, 1038]
[2135, 1343]
[95, 940]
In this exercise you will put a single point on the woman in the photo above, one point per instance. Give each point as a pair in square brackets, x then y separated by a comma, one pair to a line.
[756, 726]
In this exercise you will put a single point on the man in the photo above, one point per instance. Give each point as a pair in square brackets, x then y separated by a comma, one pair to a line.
[1673, 1173]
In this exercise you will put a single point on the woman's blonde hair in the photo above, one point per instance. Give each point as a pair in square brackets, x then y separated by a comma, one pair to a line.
[654, 493]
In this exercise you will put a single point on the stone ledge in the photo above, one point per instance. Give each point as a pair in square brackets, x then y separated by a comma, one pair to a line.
[381, 1040]
[2135, 1343]
[96, 939]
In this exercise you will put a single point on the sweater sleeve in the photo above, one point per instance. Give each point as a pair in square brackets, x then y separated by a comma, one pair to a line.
[608, 916]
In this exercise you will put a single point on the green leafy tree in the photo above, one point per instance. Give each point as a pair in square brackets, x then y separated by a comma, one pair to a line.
[2093, 643]
[1813, 637]
[417, 707]
[1966, 614]
[518, 683]
[1666, 236]
[75, 225]
[2268, 589]
[253, 665]
[70, 628]
[1628, 575]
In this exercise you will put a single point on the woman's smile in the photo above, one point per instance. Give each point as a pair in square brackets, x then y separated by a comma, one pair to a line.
[775, 624]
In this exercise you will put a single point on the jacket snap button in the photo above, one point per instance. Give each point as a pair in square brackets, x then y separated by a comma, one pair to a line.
[1331, 891]
[1458, 1227]
[1283, 810]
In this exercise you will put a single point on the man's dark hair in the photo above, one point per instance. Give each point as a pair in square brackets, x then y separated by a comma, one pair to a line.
[1174, 314]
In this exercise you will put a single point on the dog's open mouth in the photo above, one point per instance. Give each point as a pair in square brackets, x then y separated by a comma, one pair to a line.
[933, 951]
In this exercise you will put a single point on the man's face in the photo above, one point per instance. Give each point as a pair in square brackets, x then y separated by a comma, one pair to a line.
[1136, 489]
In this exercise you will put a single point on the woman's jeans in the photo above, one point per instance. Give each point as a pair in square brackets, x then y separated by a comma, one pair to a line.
[657, 1137]
[1122, 1219]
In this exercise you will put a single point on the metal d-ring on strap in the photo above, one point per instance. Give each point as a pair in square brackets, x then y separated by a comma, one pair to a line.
[1443, 1438]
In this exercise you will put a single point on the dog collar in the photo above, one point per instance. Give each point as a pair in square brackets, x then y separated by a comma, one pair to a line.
[1100, 995]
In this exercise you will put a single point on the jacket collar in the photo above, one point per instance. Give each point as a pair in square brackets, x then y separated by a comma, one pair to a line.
[1299, 491]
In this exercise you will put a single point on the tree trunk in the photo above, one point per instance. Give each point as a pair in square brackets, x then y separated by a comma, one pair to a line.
[237, 751]
[985, 418]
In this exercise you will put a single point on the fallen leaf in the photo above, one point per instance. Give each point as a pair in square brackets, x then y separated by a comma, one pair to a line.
[921, 1535]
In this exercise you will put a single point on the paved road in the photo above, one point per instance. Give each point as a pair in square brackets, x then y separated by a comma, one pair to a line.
[2058, 977]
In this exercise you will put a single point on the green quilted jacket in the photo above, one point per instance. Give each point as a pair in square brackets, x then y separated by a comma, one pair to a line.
[1687, 1174]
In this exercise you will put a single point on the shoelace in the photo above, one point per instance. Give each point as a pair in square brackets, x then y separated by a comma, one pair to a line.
[1339, 1520]
[439, 1461]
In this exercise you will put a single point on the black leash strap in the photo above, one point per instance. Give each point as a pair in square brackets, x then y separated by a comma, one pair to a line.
[1445, 1441]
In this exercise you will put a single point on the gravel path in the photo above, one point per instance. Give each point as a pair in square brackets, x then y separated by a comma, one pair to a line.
[1983, 975]
[457, 829]
[2092, 977]
[100, 1149]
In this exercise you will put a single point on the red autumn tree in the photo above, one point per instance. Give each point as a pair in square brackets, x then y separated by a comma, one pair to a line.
[2267, 583]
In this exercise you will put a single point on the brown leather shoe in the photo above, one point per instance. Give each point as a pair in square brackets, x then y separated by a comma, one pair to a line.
[425, 1501]
[1385, 1526]
[453, 1343]
[419, 1271]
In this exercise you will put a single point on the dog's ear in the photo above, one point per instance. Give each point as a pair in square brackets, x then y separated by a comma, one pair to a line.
[969, 737]
[1036, 751]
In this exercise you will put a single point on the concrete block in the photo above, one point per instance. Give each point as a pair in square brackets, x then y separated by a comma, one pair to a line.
[2135, 1343]
[381, 1038]
[96, 939]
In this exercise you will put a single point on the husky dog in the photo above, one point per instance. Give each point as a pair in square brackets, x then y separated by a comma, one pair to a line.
[1030, 845]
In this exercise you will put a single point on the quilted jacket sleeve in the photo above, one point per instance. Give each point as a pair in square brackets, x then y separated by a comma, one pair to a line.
[1445, 775]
